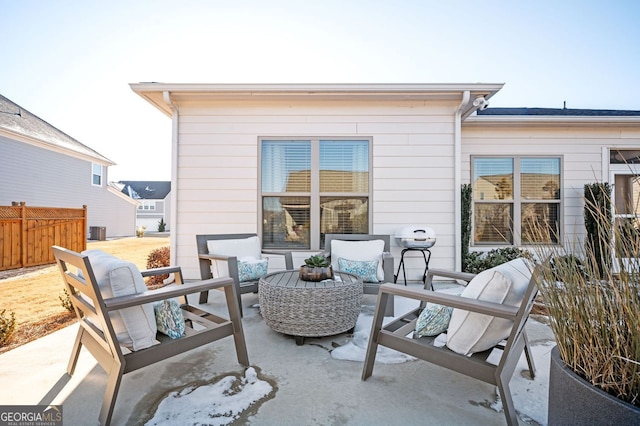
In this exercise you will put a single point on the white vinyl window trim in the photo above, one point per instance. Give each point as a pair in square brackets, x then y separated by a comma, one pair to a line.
[273, 174]
[97, 172]
[515, 200]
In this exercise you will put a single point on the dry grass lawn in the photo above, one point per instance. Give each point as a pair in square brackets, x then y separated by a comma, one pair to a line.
[33, 294]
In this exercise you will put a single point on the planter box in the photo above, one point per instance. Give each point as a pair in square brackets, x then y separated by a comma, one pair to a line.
[574, 401]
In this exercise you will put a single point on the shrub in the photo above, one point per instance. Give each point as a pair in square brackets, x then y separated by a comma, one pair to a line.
[479, 261]
[158, 258]
[162, 226]
[7, 327]
[66, 301]
[465, 235]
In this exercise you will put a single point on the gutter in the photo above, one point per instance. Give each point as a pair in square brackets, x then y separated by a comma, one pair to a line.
[166, 95]
[457, 178]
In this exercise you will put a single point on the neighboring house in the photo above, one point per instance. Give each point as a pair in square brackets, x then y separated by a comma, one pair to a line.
[45, 167]
[154, 198]
[292, 162]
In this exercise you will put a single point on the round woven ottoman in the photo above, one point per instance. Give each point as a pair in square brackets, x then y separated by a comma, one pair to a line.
[302, 309]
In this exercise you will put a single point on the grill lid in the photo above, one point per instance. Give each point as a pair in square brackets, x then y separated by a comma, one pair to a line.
[416, 236]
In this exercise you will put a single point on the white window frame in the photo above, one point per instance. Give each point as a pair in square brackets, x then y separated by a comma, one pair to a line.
[100, 175]
[628, 169]
[147, 205]
[315, 195]
[517, 202]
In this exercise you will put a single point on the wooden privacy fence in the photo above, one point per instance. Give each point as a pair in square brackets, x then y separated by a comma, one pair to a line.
[27, 234]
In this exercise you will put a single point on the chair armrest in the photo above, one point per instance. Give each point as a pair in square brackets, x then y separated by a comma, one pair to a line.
[161, 271]
[473, 305]
[214, 257]
[164, 293]
[464, 276]
[175, 270]
[288, 257]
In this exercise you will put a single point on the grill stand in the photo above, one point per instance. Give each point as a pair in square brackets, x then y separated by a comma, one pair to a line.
[401, 265]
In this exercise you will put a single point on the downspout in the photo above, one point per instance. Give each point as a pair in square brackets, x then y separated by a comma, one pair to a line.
[173, 250]
[457, 178]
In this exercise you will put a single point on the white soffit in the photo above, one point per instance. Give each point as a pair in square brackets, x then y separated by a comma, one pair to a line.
[153, 92]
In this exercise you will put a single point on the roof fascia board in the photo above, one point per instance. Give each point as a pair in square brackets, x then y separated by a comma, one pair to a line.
[153, 92]
[548, 120]
[55, 148]
[121, 195]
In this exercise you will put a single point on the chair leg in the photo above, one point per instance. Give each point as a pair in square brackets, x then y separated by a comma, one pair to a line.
[507, 404]
[111, 393]
[204, 297]
[372, 348]
[235, 315]
[75, 352]
[529, 355]
[389, 308]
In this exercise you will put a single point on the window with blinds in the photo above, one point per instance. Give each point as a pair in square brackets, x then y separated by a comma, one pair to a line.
[313, 187]
[516, 200]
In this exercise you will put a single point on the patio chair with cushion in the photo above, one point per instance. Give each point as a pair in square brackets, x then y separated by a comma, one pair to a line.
[238, 256]
[365, 255]
[484, 326]
[126, 327]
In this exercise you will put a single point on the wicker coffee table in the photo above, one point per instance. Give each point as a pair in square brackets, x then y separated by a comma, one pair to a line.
[302, 309]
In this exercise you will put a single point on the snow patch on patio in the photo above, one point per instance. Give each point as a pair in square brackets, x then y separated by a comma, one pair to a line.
[218, 403]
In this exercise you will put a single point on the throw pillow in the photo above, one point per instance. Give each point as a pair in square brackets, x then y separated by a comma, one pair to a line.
[358, 250]
[169, 318]
[135, 327]
[251, 270]
[433, 320]
[470, 332]
[365, 269]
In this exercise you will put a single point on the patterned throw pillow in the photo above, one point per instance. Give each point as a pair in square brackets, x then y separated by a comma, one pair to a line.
[433, 320]
[252, 270]
[365, 269]
[169, 318]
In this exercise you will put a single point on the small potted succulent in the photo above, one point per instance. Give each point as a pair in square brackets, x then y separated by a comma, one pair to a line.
[316, 268]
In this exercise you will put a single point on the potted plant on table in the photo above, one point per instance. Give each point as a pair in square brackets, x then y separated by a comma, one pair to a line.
[316, 268]
[594, 312]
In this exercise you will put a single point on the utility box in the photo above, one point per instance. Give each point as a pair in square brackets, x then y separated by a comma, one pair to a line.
[98, 233]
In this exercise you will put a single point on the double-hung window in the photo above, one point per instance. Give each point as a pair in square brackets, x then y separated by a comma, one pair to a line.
[96, 174]
[516, 200]
[312, 187]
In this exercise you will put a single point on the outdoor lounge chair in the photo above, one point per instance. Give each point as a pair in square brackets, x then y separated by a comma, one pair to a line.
[105, 326]
[400, 334]
[362, 247]
[224, 251]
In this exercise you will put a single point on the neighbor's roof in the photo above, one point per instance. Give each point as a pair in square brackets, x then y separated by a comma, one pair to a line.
[17, 121]
[146, 189]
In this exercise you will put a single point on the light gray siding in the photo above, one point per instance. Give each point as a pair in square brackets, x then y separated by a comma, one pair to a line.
[46, 178]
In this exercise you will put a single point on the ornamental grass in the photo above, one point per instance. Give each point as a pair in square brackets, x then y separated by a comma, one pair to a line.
[592, 294]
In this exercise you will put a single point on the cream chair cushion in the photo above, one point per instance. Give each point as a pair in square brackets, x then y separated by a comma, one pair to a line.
[245, 249]
[135, 327]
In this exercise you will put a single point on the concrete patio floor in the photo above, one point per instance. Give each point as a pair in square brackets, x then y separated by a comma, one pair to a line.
[312, 388]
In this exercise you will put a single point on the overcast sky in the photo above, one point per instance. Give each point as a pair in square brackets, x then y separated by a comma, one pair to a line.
[71, 62]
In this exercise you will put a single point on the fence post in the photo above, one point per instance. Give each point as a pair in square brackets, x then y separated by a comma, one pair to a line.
[84, 227]
[23, 232]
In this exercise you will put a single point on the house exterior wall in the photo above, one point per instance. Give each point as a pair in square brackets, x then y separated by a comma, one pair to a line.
[41, 177]
[216, 179]
[582, 147]
[150, 218]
